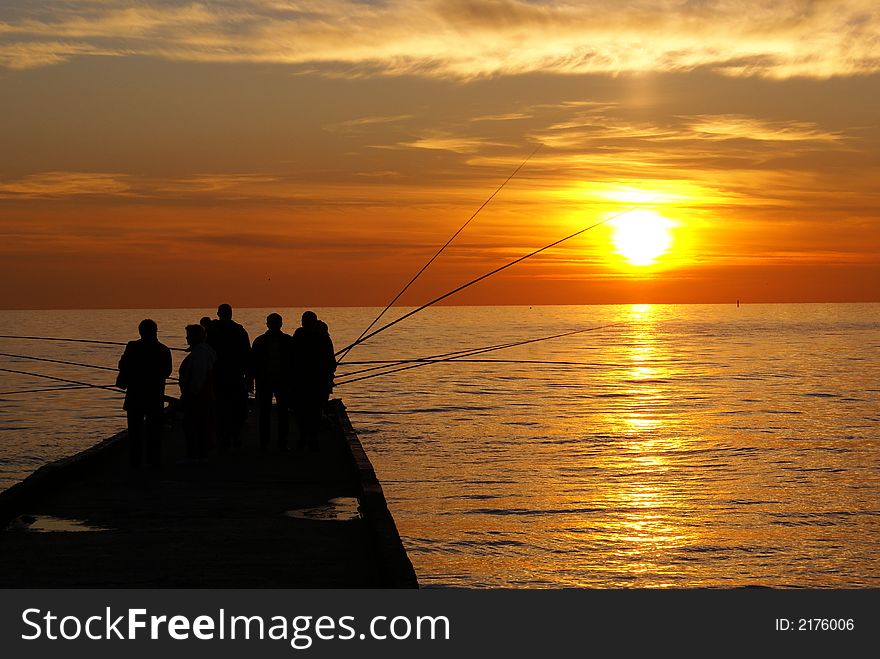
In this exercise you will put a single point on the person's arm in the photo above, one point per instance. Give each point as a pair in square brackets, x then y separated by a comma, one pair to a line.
[166, 363]
[331, 356]
[124, 368]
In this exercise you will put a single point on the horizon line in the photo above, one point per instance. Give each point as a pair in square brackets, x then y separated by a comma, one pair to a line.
[734, 302]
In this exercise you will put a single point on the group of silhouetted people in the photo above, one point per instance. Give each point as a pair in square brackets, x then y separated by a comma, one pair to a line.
[221, 367]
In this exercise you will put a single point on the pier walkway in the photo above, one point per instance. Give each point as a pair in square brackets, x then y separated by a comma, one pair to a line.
[243, 519]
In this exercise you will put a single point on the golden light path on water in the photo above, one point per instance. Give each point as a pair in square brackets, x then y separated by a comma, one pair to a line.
[692, 445]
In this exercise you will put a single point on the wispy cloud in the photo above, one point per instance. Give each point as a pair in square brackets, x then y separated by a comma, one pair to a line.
[508, 116]
[64, 184]
[365, 188]
[217, 185]
[460, 38]
[361, 122]
[450, 142]
[384, 173]
[730, 126]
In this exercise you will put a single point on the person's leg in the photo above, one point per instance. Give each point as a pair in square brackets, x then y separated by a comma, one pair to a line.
[242, 412]
[135, 420]
[190, 430]
[313, 422]
[281, 412]
[154, 437]
[264, 407]
[225, 414]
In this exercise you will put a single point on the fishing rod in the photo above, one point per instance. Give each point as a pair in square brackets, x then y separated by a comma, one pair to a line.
[51, 338]
[61, 361]
[342, 353]
[52, 377]
[494, 272]
[475, 352]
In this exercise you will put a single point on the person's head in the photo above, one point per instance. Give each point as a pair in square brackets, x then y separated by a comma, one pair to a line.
[309, 319]
[205, 321]
[274, 321]
[224, 312]
[321, 326]
[195, 334]
[148, 329]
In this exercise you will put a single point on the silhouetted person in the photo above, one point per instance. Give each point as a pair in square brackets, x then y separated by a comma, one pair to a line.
[271, 359]
[232, 345]
[313, 367]
[143, 367]
[206, 321]
[197, 393]
[324, 331]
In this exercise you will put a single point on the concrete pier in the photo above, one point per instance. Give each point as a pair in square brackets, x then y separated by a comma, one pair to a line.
[246, 518]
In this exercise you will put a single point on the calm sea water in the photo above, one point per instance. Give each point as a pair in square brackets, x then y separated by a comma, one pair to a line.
[687, 445]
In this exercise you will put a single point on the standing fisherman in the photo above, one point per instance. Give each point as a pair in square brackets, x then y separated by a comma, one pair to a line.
[272, 358]
[197, 393]
[314, 364]
[231, 343]
[144, 365]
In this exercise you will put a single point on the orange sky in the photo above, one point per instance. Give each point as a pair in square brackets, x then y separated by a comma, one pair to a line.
[317, 153]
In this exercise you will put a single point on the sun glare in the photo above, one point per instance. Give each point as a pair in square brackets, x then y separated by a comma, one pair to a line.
[642, 236]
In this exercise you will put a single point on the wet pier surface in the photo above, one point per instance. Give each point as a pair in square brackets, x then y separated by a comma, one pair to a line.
[246, 518]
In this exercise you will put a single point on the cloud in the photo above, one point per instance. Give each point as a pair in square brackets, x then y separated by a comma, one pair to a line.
[384, 173]
[730, 126]
[507, 116]
[449, 142]
[64, 184]
[381, 187]
[217, 185]
[368, 121]
[685, 143]
[460, 38]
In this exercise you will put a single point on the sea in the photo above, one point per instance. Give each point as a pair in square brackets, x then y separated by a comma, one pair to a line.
[658, 446]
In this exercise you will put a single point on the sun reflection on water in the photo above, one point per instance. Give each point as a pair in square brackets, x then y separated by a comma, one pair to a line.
[648, 494]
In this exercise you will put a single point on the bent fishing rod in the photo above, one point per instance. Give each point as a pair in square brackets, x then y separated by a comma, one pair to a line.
[493, 272]
[342, 353]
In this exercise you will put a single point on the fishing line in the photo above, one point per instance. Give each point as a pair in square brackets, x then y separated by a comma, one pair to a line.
[493, 272]
[61, 361]
[491, 361]
[50, 338]
[46, 390]
[342, 353]
[393, 362]
[470, 352]
[52, 377]
[57, 361]
[474, 352]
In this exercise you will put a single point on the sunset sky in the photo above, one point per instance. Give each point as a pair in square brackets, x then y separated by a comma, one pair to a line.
[282, 153]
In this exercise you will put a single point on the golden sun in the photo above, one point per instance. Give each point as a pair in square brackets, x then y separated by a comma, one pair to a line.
[642, 236]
